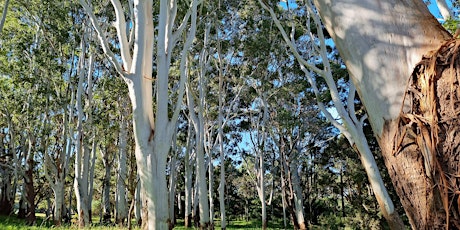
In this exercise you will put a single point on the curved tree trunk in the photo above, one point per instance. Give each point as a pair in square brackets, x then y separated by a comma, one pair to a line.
[381, 46]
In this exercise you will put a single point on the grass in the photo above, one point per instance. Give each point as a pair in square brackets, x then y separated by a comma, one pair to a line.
[13, 223]
[239, 224]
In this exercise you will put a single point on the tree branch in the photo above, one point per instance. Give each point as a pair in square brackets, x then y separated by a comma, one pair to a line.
[120, 25]
[100, 34]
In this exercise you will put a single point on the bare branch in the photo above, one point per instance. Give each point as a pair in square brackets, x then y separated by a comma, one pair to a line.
[102, 39]
[120, 25]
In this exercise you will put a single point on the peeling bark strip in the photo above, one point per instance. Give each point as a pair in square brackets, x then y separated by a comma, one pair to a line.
[429, 124]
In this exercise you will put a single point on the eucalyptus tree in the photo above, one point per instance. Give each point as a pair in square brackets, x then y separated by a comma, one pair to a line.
[84, 155]
[189, 162]
[121, 213]
[387, 57]
[152, 130]
[197, 119]
[30, 55]
[298, 125]
[351, 126]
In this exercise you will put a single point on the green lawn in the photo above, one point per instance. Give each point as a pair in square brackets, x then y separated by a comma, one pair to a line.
[12, 223]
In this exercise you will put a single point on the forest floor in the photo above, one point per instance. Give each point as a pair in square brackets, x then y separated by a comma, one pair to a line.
[13, 223]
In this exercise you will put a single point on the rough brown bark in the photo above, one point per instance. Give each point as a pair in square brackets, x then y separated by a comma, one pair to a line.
[421, 147]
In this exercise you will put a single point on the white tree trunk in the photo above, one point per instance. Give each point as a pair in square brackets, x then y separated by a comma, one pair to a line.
[197, 120]
[56, 169]
[211, 191]
[297, 190]
[381, 46]
[82, 155]
[444, 9]
[351, 127]
[106, 206]
[223, 221]
[137, 204]
[188, 181]
[172, 187]
[121, 201]
[152, 136]
[58, 189]
[91, 175]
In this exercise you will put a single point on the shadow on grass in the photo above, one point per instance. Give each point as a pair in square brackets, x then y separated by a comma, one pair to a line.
[239, 224]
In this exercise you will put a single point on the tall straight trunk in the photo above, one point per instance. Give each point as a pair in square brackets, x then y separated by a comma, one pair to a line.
[121, 201]
[297, 190]
[91, 176]
[188, 181]
[381, 46]
[223, 221]
[260, 166]
[172, 189]
[137, 204]
[82, 157]
[261, 189]
[211, 191]
[106, 206]
[58, 189]
[200, 165]
[152, 135]
[198, 120]
[195, 203]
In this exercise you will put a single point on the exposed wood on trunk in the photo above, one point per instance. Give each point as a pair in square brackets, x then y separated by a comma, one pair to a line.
[426, 141]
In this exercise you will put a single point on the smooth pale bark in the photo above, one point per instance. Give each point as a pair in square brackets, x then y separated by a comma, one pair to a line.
[221, 188]
[137, 204]
[107, 161]
[90, 155]
[152, 147]
[56, 169]
[172, 188]
[444, 9]
[259, 165]
[91, 176]
[297, 190]
[195, 212]
[121, 200]
[188, 165]
[381, 44]
[152, 135]
[197, 119]
[82, 155]
[351, 127]
[211, 191]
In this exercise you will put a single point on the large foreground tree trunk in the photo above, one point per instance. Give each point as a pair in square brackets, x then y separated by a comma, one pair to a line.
[152, 131]
[381, 46]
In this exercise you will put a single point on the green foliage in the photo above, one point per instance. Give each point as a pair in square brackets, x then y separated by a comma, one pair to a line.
[451, 25]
